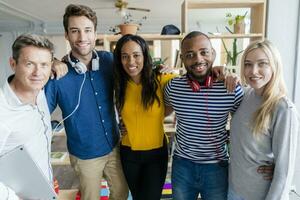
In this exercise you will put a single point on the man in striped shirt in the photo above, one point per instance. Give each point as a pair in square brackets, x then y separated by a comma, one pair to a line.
[202, 106]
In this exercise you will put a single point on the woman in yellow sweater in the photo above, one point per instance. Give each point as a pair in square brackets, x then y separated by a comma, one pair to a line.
[139, 100]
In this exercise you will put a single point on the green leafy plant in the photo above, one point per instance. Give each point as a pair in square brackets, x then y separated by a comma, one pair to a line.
[231, 19]
[233, 54]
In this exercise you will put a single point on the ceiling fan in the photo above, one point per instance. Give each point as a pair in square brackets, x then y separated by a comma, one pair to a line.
[122, 5]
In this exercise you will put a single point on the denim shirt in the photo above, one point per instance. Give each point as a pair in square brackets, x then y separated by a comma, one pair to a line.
[92, 129]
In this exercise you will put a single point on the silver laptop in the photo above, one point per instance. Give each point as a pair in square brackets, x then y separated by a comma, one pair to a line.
[19, 172]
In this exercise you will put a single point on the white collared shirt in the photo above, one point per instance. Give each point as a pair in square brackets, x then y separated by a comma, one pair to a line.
[28, 125]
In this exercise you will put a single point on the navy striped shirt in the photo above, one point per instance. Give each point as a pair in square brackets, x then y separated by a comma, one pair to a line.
[201, 119]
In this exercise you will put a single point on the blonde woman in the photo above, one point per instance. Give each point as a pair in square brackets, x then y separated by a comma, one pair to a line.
[264, 129]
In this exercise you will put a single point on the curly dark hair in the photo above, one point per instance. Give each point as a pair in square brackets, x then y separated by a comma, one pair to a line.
[149, 77]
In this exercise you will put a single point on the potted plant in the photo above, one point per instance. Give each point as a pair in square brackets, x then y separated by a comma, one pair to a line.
[237, 21]
[129, 26]
[233, 54]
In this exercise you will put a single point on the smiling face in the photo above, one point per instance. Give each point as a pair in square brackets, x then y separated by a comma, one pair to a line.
[257, 70]
[132, 60]
[198, 57]
[81, 36]
[32, 69]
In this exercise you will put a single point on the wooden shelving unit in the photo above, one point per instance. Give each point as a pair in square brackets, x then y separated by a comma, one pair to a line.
[113, 38]
[231, 36]
[257, 16]
[107, 39]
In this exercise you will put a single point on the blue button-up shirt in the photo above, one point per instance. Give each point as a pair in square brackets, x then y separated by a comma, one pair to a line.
[92, 129]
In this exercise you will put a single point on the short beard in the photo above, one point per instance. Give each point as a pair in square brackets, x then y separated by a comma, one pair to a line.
[200, 78]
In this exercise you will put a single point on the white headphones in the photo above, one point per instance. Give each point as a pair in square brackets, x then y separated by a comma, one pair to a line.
[80, 67]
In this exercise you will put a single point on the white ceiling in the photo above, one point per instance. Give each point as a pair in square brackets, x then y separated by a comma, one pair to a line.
[46, 15]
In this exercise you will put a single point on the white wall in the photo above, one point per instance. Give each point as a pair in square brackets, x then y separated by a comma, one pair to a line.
[6, 40]
[60, 45]
[283, 30]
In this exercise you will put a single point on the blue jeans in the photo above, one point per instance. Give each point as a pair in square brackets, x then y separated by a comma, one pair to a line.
[232, 195]
[189, 179]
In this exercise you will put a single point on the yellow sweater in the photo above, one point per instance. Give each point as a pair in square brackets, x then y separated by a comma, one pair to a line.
[144, 127]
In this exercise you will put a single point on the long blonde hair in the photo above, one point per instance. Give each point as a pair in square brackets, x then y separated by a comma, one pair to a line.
[274, 90]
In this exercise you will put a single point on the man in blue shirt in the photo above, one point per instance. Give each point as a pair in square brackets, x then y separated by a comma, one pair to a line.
[85, 96]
